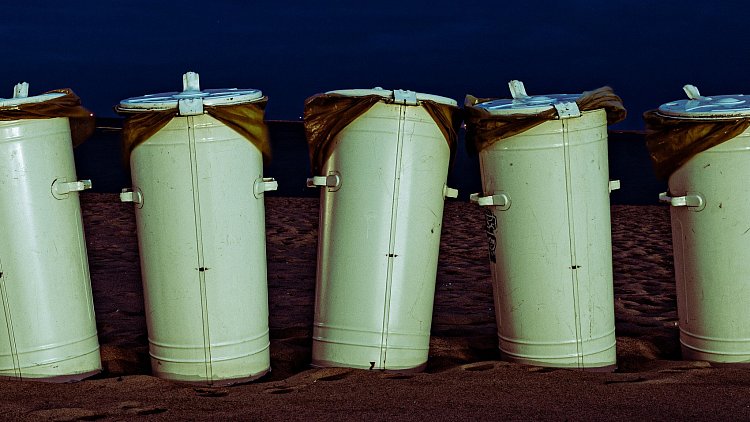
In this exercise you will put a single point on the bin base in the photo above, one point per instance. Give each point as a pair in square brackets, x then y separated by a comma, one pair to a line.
[587, 368]
[562, 364]
[65, 370]
[316, 363]
[329, 353]
[182, 379]
[220, 371]
[58, 379]
[716, 359]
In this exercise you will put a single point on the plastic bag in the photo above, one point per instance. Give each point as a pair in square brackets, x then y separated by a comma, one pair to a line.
[326, 115]
[484, 128]
[82, 121]
[245, 119]
[671, 141]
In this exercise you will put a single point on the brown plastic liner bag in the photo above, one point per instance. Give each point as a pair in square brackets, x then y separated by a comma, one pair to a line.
[245, 119]
[484, 128]
[82, 121]
[326, 115]
[671, 141]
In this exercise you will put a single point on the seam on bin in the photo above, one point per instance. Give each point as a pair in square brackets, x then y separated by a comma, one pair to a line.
[679, 239]
[543, 357]
[9, 324]
[716, 339]
[199, 245]
[392, 235]
[531, 342]
[572, 241]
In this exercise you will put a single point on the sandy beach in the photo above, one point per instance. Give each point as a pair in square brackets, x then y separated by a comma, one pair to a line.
[464, 379]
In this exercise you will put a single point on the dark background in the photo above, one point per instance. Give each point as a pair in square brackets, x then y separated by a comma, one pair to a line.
[646, 50]
[110, 50]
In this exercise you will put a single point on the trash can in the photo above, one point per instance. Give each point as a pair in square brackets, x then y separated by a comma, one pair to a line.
[546, 191]
[196, 159]
[381, 159]
[47, 319]
[702, 145]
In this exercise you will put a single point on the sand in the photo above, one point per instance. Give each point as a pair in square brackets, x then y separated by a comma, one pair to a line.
[465, 377]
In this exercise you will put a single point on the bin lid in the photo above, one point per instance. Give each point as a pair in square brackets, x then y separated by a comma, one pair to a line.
[191, 90]
[21, 96]
[167, 100]
[386, 93]
[715, 106]
[527, 105]
[522, 103]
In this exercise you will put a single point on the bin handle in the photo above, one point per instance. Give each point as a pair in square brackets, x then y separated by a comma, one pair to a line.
[693, 201]
[501, 200]
[134, 196]
[61, 187]
[449, 192]
[332, 182]
[264, 184]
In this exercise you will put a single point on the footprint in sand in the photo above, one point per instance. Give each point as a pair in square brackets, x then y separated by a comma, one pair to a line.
[541, 369]
[334, 377]
[398, 376]
[211, 392]
[64, 414]
[137, 408]
[280, 390]
[478, 367]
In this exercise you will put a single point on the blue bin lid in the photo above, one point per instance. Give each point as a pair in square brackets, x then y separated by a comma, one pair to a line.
[395, 95]
[21, 96]
[191, 90]
[521, 103]
[715, 106]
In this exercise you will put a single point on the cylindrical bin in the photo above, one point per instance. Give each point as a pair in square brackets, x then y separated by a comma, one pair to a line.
[703, 144]
[47, 319]
[198, 188]
[381, 158]
[546, 189]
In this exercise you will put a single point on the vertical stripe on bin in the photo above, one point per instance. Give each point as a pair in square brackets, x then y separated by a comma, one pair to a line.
[392, 236]
[9, 323]
[572, 238]
[199, 248]
[678, 242]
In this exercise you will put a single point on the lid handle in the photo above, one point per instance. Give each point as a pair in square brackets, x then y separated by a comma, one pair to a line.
[517, 90]
[692, 92]
[405, 97]
[21, 90]
[191, 82]
[190, 103]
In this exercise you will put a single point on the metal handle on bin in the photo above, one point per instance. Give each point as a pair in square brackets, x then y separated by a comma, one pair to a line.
[449, 192]
[264, 184]
[614, 185]
[517, 89]
[501, 200]
[129, 195]
[61, 188]
[567, 110]
[332, 182]
[190, 100]
[694, 201]
[21, 90]
[692, 92]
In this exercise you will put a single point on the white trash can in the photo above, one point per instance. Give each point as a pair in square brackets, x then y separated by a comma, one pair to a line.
[198, 188]
[546, 190]
[382, 197]
[47, 319]
[710, 213]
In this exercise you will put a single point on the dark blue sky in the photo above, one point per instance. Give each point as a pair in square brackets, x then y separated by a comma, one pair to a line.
[646, 50]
